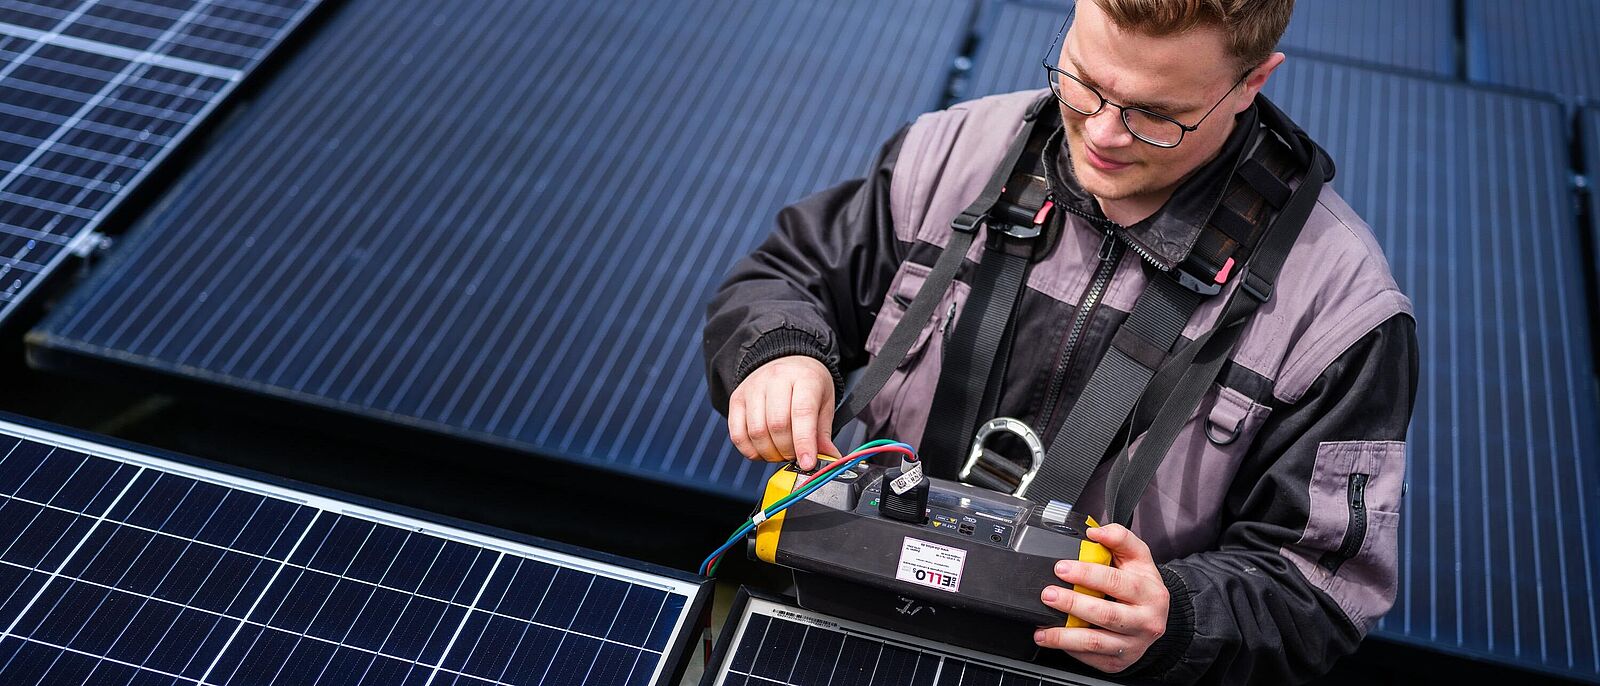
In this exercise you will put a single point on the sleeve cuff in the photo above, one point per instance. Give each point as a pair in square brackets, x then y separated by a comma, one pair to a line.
[784, 342]
[1165, 653]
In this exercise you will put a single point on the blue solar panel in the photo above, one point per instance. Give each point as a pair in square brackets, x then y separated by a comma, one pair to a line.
[513, 241]
[771, 642]
[118, 566]
[1417, 35]
[95, 93]
[1479, 231]
[1547, 45]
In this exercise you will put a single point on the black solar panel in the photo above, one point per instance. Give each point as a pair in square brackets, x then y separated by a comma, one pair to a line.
[512, 241]
[1480, 232]
[1416, 35]
[1548, 45]
[93, 94]
[1467, 190]
[768, 641]
[117, 566]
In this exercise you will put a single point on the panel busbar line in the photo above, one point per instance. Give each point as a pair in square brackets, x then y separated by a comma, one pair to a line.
[1500, 550]
[511, 240]
[118, 566]
[769, 641]
[93, 95]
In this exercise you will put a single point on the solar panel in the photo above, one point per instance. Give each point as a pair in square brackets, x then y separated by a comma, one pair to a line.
[93, 95]
[1480, 233]
[768, 641]
[1546, 46]
[511, 242]
[119, 566]
[1418, 35]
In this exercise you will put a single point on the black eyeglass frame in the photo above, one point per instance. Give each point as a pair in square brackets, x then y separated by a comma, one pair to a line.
[1051, 70]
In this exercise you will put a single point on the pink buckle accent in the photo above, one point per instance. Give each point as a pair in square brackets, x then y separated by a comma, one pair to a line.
[1043, 212]
[1222, 276]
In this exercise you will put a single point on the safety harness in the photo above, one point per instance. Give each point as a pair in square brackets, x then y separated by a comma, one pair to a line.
[1246, 240]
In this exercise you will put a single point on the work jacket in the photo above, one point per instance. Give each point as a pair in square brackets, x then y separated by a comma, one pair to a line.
[1273, 517]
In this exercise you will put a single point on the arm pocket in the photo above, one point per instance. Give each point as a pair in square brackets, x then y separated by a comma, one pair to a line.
[1350, 547]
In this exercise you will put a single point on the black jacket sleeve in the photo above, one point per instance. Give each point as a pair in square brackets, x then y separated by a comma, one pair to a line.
[1246, 612]
[812, 288]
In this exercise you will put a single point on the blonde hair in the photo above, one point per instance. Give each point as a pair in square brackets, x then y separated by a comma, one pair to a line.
[1253, 27]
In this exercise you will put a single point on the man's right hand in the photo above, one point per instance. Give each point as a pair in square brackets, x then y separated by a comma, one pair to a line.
[784, 411]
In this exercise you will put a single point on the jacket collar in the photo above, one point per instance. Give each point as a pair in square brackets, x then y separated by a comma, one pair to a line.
[1166, 237]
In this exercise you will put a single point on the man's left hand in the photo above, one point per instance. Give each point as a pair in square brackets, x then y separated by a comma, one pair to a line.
[1131, 616]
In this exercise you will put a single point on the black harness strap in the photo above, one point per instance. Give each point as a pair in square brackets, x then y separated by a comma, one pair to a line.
[1203, 359]
[965, 230]
[968, 390]
[1152, 329]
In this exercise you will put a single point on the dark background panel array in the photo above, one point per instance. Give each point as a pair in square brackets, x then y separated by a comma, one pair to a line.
[1480, 233]
[93, 96]
[1503, 448]
[1417, 35]
[511, 241]
[1544, 45]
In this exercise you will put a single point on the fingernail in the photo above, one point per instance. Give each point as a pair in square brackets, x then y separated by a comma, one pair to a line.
[1050, 594]
[1038, 635]
[1062, 567]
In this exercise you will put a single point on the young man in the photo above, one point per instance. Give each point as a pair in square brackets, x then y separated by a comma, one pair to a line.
[1265, 546]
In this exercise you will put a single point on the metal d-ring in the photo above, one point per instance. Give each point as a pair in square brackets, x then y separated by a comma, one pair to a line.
[1015, 427]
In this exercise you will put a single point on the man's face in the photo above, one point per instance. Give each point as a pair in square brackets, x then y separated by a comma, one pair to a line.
[1179, 76]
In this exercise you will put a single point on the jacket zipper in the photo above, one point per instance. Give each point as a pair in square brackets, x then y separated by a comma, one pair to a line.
[1356, 532]
[1109, 257]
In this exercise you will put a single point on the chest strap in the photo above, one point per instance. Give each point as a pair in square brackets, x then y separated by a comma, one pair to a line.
[1142, 344]
[964, 232]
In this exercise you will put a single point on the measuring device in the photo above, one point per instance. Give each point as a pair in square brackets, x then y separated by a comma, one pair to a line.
[941, 559]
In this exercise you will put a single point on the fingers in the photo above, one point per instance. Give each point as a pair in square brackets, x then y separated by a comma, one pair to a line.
[784, 411]
[1119, 583]
[805, 406]
[1099, 649]
[736, 427]
[1127, 550]
[1106, 614]
[755, 422]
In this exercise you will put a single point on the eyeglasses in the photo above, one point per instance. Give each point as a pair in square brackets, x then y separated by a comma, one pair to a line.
[1154, 128]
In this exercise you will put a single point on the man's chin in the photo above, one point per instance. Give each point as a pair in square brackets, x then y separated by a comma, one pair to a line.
[1103, 187]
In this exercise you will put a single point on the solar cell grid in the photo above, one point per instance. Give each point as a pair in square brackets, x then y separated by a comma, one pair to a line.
[94, 93]
[769, 642]
[119, 567]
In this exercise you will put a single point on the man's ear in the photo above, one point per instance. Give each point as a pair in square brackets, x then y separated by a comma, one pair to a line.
[1257, 80]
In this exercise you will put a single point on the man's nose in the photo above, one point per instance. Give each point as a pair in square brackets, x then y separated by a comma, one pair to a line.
[1106, 131]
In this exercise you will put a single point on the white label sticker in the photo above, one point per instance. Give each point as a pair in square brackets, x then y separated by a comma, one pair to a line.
[931, 565]
[908, 480]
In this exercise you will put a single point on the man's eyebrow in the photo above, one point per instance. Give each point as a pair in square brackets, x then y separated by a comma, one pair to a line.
[1156, 105]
